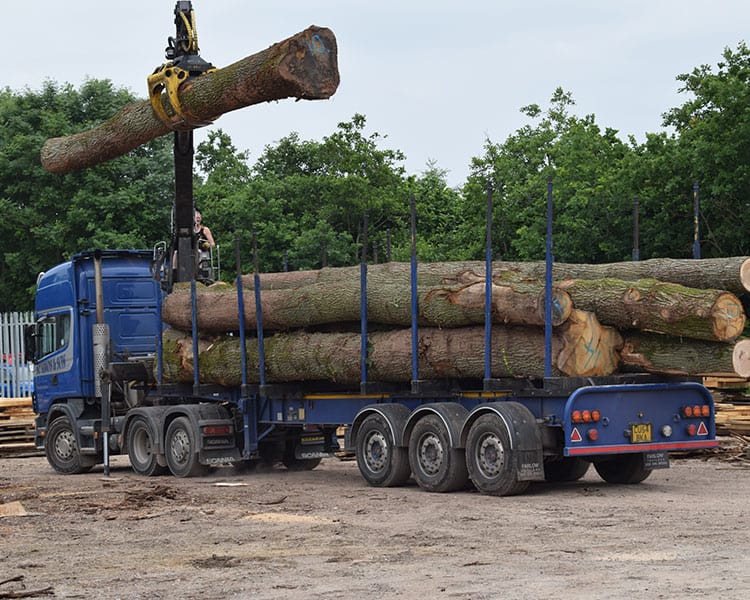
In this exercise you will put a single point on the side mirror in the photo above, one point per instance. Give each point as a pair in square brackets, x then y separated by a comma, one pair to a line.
[30, 333]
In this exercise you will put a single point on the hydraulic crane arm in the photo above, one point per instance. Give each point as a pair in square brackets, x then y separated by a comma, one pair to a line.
[184, 62]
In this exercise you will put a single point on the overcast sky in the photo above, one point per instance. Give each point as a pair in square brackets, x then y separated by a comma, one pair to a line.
[437, 77]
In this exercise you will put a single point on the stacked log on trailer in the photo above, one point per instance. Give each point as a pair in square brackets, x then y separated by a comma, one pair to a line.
[660, 316]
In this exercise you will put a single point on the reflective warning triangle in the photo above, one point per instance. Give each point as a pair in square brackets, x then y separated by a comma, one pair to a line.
[702, 430]
[575, 435]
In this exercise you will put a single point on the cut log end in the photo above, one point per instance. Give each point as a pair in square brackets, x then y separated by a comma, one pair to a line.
[745, 274]
[728, 318]
[741, 358]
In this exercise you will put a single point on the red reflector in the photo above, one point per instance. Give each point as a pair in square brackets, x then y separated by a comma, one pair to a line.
[691, 430]
[576, 416]
[592, 434]
[216, 429]
[705, 410]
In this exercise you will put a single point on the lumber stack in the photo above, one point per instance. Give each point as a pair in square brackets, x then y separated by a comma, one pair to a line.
[603, 322]
[16, 426]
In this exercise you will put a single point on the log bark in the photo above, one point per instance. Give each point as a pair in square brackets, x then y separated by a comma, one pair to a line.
[660, 307]
[731, 274]
[303, 66]
[517, 351]
[388, 303]
[668, 355]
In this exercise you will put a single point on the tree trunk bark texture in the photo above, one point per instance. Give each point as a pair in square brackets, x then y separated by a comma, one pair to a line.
[670, 355]
[730, 274]
[656, 306]
[303, 66]
[580, 347]
[388, 303]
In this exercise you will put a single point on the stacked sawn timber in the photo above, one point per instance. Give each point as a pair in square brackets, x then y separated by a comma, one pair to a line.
[661, 315]
[16, 426]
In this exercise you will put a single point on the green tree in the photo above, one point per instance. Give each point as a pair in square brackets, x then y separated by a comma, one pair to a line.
[590, 214]
[123, 203]
[713, 148]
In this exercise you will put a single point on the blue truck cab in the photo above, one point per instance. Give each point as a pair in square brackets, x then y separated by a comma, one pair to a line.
[96, 345]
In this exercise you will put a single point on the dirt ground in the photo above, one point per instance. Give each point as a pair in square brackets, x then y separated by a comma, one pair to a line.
[683, 533]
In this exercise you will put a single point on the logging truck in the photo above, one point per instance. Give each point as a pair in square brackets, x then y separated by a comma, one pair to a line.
[100, 346]
[100, 390]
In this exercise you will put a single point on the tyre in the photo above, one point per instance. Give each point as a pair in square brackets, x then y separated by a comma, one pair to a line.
[570, 468]
[435, 464]
[489, 458]
[182, 449]
[292, 463]
[623, 468]
[380, 461]
[62, 451]
[141, 452]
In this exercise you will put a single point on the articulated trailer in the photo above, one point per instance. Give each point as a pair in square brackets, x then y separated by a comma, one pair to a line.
[99, 391]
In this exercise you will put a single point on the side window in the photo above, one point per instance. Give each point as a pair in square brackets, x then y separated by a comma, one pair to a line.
[55, 333]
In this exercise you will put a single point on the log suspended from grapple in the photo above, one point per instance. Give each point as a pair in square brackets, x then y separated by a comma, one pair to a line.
[303, 66]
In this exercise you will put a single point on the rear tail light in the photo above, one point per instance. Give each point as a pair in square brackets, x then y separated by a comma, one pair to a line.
[586, 416]
[216, 429]
[688, 411]
[705, 410]
[691, 430]
[592, 434]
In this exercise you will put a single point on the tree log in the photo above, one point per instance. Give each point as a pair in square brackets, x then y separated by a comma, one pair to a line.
[579, 347]
[741, 358]
[731, 274]
[660, 307]
[671, 355]
[303, 66]
[388, 303]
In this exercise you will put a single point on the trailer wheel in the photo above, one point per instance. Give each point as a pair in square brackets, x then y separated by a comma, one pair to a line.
[380, 461]
[570, 468]
[182, 449]
[62, 451]
[489, 458]
[623, 468]
[141, 449]
[435, 464]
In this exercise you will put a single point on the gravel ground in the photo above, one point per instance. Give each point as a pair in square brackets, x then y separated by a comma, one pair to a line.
[325, 534]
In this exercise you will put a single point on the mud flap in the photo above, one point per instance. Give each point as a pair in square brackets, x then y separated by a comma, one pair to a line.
[655, 460]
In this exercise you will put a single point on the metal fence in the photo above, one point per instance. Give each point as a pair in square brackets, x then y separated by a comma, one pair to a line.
[16, 375]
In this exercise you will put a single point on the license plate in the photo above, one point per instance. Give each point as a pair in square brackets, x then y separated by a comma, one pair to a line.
[640, 433]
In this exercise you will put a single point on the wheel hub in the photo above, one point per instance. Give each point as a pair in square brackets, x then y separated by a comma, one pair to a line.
[376, 452]
[180, 446]
[430, 454]
[490, 456]
[65, 445]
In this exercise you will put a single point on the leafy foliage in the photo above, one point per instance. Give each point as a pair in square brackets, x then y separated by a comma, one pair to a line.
[303, 201]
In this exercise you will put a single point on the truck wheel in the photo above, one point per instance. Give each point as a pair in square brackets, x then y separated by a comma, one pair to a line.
[182, 449]
[141, 449]
[435, 464]
[489, 458]
[300, 464]
[62, 451]
[380, 461]
[623, 468]
[570, 468]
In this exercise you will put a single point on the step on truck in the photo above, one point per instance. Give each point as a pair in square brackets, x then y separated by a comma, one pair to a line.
[96, 347]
